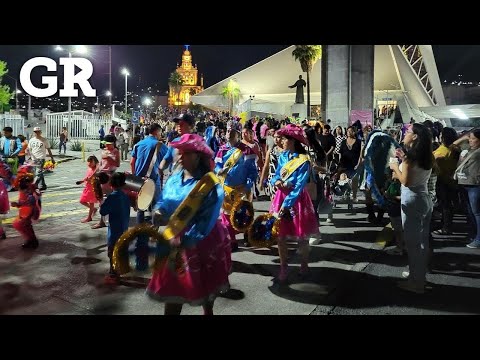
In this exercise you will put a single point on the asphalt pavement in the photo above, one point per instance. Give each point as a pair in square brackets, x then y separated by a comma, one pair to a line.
[351, 273]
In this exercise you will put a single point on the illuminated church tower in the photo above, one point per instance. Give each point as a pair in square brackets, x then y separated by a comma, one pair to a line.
[190, 87]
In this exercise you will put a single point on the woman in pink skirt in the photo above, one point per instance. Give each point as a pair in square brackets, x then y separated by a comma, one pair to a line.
[200, 272]
[292, 202]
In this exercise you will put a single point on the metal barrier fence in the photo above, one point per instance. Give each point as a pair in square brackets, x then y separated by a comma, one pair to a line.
[16, 122]
[79, 126]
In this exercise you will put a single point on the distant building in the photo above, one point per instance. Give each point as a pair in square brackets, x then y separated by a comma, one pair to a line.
[190, 85]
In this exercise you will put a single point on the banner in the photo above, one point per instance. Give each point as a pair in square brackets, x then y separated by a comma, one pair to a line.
[365, 117]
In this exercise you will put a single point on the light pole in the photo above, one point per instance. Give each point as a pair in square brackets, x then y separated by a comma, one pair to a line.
[80, 49]
[126, 73]
[110, 73]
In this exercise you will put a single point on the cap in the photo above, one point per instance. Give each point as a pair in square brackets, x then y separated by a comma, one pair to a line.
[185, 117]
[37, 128]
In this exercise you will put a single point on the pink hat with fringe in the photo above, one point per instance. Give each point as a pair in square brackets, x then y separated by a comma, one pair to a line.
[192, 143]
[295, 132]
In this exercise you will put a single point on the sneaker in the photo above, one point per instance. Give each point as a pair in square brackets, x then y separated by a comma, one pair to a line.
[405, 274]
[442, 232]
[411, 286]
[314, 240]
[329, 220]
[475, 244]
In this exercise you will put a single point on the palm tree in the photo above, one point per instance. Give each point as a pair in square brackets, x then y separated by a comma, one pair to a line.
[231, 92]
[175, 81]
[307, 55]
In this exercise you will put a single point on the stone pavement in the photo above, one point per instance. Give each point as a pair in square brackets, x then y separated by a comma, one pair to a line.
[350, 272]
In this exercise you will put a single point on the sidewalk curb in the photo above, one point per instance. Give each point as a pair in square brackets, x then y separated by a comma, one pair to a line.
[68, 159]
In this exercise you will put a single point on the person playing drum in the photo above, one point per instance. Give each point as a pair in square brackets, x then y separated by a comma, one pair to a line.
[146, 157]
[184, 125]
[195, 233]
[235, 164]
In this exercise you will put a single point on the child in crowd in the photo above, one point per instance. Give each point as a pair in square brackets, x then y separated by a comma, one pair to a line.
[88, 197]
[343, 187]
[117, 206]
[29, 205]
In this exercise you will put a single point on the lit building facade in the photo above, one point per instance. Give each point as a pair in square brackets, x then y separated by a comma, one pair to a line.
[190, 87]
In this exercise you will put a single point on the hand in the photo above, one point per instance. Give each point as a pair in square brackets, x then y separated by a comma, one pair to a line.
[400, 153]
[394, 166]
[278, 184]
[53, 160]
[79, 182]
[14, 204]
[285, 213]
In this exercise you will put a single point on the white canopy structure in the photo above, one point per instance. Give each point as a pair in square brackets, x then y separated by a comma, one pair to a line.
[403, 74]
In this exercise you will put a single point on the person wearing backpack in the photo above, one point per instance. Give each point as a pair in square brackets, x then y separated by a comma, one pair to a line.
[10, 146]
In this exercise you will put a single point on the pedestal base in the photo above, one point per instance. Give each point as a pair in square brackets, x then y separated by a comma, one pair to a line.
[299, 111]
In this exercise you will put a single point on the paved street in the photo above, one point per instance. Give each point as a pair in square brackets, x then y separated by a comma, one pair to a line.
[350, 271]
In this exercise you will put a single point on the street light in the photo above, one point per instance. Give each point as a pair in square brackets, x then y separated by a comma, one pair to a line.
[126, 73]
[147, 102]
[108, 94]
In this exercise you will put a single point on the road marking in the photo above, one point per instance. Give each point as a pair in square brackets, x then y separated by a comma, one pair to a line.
[50, 215]
[47, 205]
[46, 196]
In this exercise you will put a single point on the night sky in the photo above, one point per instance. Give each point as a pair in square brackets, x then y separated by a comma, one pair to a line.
[154, 63]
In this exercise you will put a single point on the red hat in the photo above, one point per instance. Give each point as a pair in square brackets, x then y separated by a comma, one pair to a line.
[295, 132]
[192, 143]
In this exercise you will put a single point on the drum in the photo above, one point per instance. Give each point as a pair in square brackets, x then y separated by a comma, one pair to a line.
[144, 187]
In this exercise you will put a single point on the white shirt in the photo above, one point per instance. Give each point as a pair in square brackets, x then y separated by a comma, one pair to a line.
[418, 175]
[38, 148]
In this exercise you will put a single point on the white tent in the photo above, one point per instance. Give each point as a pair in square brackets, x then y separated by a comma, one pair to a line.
[405, 73]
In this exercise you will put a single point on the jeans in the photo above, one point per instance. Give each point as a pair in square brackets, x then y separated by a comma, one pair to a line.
[446, 194]
[141, 249]
[64, 145]
[473, 192]
[124, 151]
[416, 215]
[39, 179]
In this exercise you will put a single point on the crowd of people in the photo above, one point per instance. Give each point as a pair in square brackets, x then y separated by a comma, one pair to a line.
[299, 166]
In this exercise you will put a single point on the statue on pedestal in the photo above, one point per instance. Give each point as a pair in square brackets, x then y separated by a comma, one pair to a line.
[300, 84]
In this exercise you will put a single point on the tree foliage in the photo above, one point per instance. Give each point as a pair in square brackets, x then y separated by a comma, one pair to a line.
[176, 82]
[231, 92]
[307, 56]
[5, 93]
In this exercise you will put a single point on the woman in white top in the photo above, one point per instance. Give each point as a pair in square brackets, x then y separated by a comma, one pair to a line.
[417, 205]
